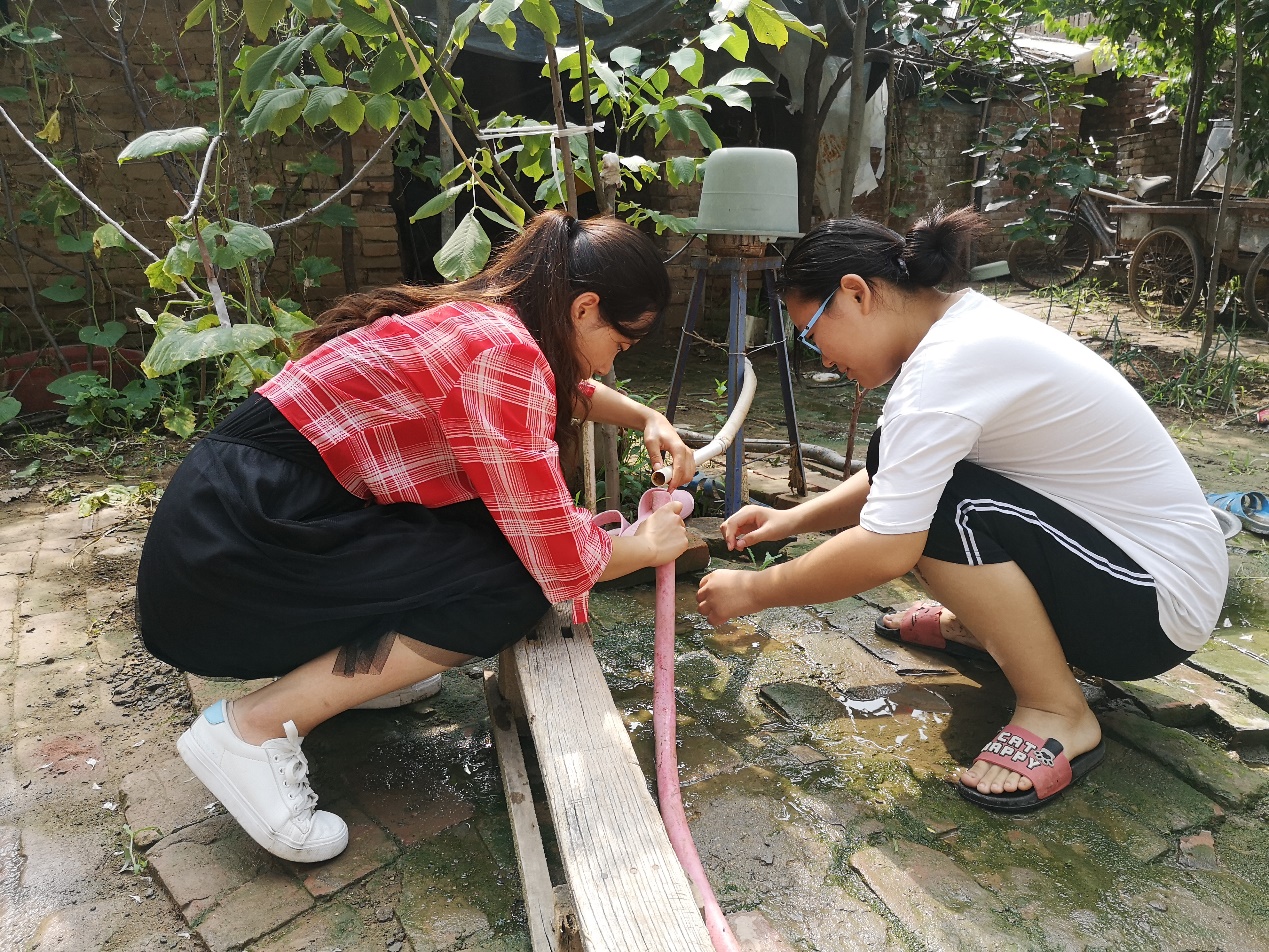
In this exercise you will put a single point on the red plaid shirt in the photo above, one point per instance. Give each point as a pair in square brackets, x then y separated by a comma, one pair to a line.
[444, 406]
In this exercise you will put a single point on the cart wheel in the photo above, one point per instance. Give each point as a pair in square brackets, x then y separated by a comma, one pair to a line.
[1164, 275]
[1256, 289]
[1041, 264]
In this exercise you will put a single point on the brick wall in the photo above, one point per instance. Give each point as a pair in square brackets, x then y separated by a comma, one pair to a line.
[99, 118]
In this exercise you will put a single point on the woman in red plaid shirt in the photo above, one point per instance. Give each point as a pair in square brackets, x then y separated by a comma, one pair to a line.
[393, 504]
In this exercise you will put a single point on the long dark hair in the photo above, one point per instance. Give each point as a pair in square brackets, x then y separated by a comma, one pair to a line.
[934, 251]
[538, 274]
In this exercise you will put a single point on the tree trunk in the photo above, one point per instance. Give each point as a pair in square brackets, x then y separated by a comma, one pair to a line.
[809, 127]
[1187, 162]
[855, 148]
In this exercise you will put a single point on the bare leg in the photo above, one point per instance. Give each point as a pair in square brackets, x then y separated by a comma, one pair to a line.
[313, 693]
[1000, 606]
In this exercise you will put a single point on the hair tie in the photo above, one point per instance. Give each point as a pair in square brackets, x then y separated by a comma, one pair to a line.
[903, 269]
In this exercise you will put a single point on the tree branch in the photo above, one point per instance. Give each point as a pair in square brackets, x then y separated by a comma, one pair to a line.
[339, 192]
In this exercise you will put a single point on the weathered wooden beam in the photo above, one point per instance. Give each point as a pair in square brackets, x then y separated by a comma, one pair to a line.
[539, 895]
[629, 892]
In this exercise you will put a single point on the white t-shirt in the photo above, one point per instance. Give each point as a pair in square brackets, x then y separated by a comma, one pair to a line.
[1000, 389]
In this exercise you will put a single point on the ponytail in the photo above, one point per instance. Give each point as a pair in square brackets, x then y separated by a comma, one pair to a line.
[934, 251]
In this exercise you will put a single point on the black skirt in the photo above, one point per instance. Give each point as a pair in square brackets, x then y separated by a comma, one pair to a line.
[258, 560]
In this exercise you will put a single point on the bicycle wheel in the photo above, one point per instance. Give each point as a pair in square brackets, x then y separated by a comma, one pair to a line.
[1256, 289]
[1165, 274]
[1041, 263]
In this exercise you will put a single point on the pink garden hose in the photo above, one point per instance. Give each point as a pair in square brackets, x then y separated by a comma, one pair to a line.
[663, 708]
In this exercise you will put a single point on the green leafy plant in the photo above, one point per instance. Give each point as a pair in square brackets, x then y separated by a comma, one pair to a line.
[133, 861]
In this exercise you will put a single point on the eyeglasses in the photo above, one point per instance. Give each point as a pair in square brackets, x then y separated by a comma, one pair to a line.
[803, 336]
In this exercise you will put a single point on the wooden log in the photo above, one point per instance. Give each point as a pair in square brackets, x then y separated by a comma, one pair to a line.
[629, 892]
[539, 895]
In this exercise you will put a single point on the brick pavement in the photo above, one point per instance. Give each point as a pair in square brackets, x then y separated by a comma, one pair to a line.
[833, 832]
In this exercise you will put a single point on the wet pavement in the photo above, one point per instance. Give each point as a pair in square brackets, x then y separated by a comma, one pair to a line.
[815, 759]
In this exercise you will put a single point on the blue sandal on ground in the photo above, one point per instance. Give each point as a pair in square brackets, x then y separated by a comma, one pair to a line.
[1251, 508]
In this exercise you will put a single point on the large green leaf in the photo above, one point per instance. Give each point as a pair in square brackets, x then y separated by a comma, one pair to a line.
[275, 110]
[9, 408]
[438, 203]
[766, 24]
[231, 247]
[727, 36]
[420, 113]
[107, 335]
[336, 216]
[598, 7]
[64, 290]
[13, 94]
[177, 348]
[462, 26]
[543, 16]
[626, 57]
[466, 252]
[392, 68]
[361, 22]
[689, 63]
[263, 15]
[107, 236]
[278, 59]
[498, 10]
[348, 113]
[163, 141]
[616, 88]
[697, 122]
[383, 111]
[743, 76]
[75, 244]
[321, 100]
[730, 95]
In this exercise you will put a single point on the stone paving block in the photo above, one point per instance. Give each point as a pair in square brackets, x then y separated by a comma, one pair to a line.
[1139, 786]
[1228, 782]
[47, 695]
[15, 561]
[334, 925]
[1241, 719]
[936, 899]
[254, 909]
[856, 616]
[415, 814]
[368, 849]
[82, 926]
[44, 596]
[755, 934]
[165, 796]
[759, 856]
[202, 864]
[7, 621]
[451, 891]
[1230, 664]
[1168, 699]
[52, 637]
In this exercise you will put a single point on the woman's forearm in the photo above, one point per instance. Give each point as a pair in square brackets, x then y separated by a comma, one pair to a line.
[610, 406]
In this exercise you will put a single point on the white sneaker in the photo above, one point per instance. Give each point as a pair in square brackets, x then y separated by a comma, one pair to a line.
[264, 788]
[428, 687]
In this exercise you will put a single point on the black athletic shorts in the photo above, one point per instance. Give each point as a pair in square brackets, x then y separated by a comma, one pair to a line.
[1103, 605]
[258, 560]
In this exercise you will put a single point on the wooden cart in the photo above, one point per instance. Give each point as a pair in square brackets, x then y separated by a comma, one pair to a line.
[1171, 248]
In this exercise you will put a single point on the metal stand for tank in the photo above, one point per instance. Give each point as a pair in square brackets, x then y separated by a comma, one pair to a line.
[738, 269]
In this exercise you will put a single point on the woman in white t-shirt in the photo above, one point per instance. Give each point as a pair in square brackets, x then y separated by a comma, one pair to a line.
[1036, 495]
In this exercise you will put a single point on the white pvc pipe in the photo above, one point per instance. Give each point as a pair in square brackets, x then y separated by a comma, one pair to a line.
[719, 444]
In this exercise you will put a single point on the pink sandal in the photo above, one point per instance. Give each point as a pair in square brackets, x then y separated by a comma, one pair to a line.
[1040, 761]
[919, 626]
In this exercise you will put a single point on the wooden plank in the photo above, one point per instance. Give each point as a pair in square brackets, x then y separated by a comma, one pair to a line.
[629, 892]
[539, 895]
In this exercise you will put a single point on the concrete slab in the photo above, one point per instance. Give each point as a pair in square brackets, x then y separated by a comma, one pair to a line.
[1228, 782]
[1238, 718]
[334, 925]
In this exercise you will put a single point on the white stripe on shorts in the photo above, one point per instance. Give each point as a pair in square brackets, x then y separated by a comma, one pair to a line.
[970, 544]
